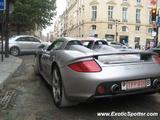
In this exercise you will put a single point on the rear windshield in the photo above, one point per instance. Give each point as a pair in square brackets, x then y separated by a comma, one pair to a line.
[73, 42]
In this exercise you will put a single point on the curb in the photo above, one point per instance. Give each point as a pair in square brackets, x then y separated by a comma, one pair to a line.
[4, 81]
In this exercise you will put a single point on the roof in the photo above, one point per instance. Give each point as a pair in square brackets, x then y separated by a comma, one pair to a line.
[90, 39]
[18, 36]
[70, 38]
[81, 38]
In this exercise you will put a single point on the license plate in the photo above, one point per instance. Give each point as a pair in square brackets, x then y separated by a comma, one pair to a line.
[136, 84]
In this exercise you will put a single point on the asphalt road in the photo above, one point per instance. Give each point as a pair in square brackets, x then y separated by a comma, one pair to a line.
[34, 102]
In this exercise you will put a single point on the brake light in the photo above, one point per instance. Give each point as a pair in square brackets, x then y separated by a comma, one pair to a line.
[86, 66]
[157, 59]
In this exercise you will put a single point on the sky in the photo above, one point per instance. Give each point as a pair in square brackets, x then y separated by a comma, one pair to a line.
[61, 5]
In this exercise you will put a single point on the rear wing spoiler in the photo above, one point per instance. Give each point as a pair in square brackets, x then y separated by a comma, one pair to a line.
[144, 55]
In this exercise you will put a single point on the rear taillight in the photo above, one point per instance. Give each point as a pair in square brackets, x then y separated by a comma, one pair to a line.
[156, 59]
[86, 66]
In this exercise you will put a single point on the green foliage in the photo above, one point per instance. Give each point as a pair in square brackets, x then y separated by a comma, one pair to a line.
[29, 13]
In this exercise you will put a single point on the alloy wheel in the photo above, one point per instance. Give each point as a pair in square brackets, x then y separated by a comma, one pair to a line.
[56, 87]
[14, 51]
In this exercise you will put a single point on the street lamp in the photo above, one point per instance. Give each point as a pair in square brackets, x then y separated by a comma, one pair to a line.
[116, 21]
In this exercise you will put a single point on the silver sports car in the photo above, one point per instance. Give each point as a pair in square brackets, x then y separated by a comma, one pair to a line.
[78, 74]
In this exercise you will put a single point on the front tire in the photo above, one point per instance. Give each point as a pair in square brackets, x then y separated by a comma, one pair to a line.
[59, 97]
[14, 51]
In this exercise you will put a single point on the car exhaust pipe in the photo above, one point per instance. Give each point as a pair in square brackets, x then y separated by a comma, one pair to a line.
[115, 88]
[156, 83]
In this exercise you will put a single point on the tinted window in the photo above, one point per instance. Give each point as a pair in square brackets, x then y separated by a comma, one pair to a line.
[101, 43]
[87, 44]
[24, 39]
[74, 42]
[31, 39]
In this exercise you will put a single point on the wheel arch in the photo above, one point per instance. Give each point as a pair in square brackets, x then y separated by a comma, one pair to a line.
[15, 46]
[18, 48]
[54, 64]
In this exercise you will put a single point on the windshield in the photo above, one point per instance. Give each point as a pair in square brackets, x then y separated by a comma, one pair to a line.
[105, 48]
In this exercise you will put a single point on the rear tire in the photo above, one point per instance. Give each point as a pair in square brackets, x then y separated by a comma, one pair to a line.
[14, 51]
[58, 91]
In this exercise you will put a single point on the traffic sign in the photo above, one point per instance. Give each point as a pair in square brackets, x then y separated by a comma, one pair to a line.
[2, 5]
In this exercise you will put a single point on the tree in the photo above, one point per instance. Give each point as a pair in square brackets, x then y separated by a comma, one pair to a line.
[29, 13]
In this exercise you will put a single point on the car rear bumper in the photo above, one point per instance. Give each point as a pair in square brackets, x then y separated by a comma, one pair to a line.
[81, 89]
[143, 91]
[82, 86]
[78, 98]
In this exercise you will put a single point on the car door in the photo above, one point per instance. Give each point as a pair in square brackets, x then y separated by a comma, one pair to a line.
[22, 43]
[49, 56]
[33, 43]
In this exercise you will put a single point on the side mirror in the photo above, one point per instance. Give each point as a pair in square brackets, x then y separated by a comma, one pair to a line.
[41, 46]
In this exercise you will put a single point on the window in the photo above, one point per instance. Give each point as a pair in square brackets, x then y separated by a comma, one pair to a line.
[110, 13]
[138, 15]
[124, 14]
[124, 28]
[137, 28]
[95, 35]
[88, 44]
[73, 42]
[93, 27]
[31, 39]
[138, 1]
[150, 30]
[23, 39]
[150, 17]
[110, 26]
[94, 13]
[56, 45]
[137, 39]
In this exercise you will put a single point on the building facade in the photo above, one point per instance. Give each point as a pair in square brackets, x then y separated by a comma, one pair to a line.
[126, 21]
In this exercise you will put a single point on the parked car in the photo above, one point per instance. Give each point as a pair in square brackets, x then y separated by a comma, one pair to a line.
[97, 44]
[117, 45]
[22, 44]
[78, 74]
[157, 50]
[101, 45]
[92, 42]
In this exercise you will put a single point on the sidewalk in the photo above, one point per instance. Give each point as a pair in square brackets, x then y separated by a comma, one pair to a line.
[7, 68]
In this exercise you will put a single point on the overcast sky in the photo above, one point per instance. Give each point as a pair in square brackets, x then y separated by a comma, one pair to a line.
[61, 4]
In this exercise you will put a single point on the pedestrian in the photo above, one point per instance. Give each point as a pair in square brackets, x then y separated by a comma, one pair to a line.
[123, 42]
[152, 44]
[147, 45]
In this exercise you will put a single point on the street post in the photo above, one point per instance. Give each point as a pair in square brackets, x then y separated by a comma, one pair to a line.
[116, 23]
[6, 30]
[2, 9]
